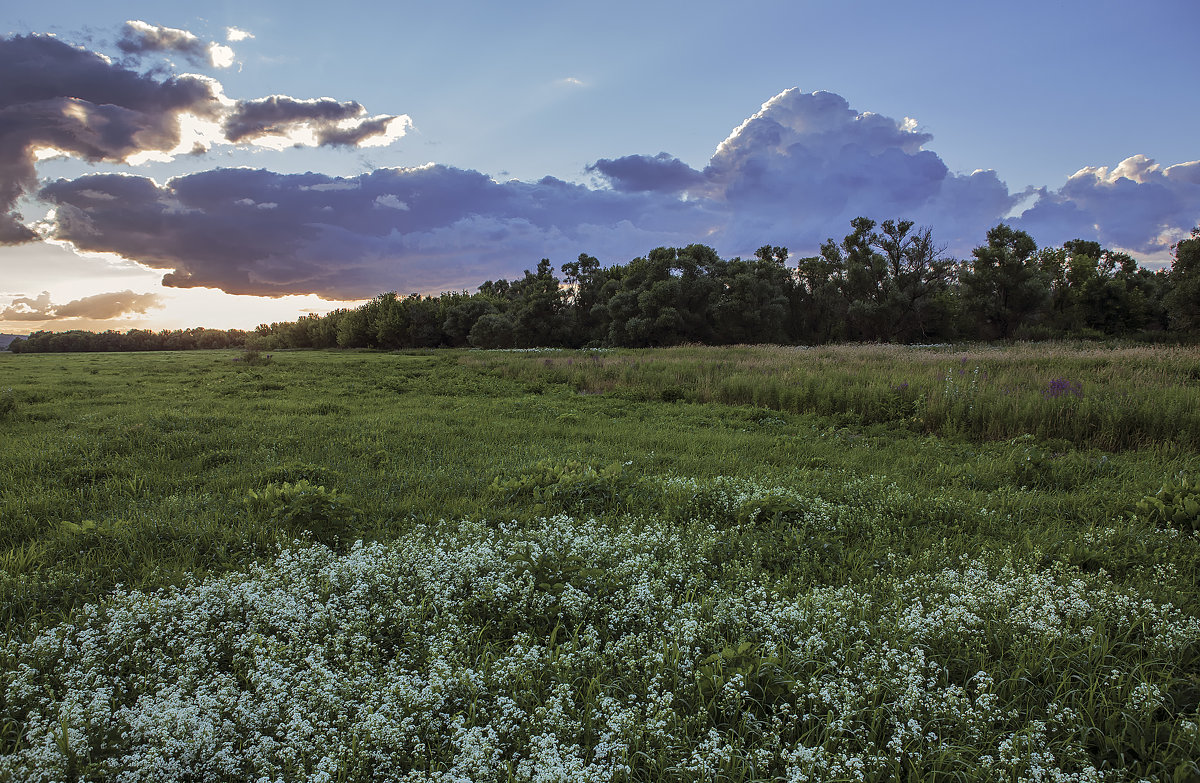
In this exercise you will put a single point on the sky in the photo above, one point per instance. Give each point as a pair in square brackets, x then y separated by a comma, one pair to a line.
[171, 165]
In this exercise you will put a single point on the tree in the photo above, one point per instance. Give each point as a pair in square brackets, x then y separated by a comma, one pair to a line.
[537, 302]
[894, 282]
[819, 309]
[1182, 301]
[663, 299]
[494, 330]
[754, 303]
[918, 297]
[461, 314]
[1004, 284]
[584, 281]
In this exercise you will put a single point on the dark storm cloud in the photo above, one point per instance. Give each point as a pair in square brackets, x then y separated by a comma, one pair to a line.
[54, 96]
[98, 306]
[139, 38]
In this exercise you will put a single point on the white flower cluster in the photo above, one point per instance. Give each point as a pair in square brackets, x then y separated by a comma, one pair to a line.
[569, 650]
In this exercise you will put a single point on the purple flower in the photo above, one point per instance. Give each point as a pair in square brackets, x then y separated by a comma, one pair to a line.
[1061, 387]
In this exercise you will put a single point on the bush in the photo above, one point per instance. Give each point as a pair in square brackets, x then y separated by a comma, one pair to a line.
[305, 508]
[253, 358]
[568, 485]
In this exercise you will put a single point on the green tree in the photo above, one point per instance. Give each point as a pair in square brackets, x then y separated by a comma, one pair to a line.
[461, 313]
[584, 281]
[494, 330]
[537, 303]
[1004, 284]
[1182, 301]
[819, 308]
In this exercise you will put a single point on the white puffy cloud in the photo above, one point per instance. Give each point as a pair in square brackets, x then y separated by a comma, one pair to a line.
[1136, 205]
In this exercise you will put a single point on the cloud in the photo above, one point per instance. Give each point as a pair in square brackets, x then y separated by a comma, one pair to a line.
[282, 121]
[233, 34]
[1138, 205]
[390, 201]
[807, 163]
[56, 99]
[794, 173]
[98, 306]
[220, 55]
[79, 103]
[640, 173]
[416, 229]
[139, 38]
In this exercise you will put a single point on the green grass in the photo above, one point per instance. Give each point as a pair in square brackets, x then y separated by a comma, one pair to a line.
[1111, 398]
[687, 564]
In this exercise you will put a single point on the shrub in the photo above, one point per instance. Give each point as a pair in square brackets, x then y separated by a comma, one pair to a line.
[254, 358]
[568, 485]
[304, 507]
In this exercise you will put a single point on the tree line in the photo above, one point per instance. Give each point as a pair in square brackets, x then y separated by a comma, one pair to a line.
[886, 282]
[77, 340]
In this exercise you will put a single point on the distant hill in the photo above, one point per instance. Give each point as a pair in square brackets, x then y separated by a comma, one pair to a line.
[5, 339]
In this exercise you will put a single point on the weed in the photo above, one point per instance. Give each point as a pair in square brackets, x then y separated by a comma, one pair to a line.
[1176, 504]
[303, 507]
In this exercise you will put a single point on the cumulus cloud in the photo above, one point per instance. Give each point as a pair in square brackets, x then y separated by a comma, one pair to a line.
[807, 163]
[233, 34]
[56, 99]
[98, 306]
[78, 103]
[794, 173]
[1137, 205]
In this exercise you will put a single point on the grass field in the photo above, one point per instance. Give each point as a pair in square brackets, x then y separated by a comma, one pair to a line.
[694, 564]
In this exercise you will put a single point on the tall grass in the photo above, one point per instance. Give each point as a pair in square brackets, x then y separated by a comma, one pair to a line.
[1117, 398]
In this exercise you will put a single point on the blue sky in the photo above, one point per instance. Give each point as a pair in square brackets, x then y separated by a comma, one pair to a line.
[922, 94]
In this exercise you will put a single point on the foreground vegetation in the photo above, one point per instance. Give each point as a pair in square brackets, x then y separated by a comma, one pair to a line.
[847, 563]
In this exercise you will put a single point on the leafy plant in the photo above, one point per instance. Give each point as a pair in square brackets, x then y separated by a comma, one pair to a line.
[1176, 504]
[568, 484]
[324, 514]
[773, 510]
[759, 678]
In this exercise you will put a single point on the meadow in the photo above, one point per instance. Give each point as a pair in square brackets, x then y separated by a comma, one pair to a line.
[880, 563]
